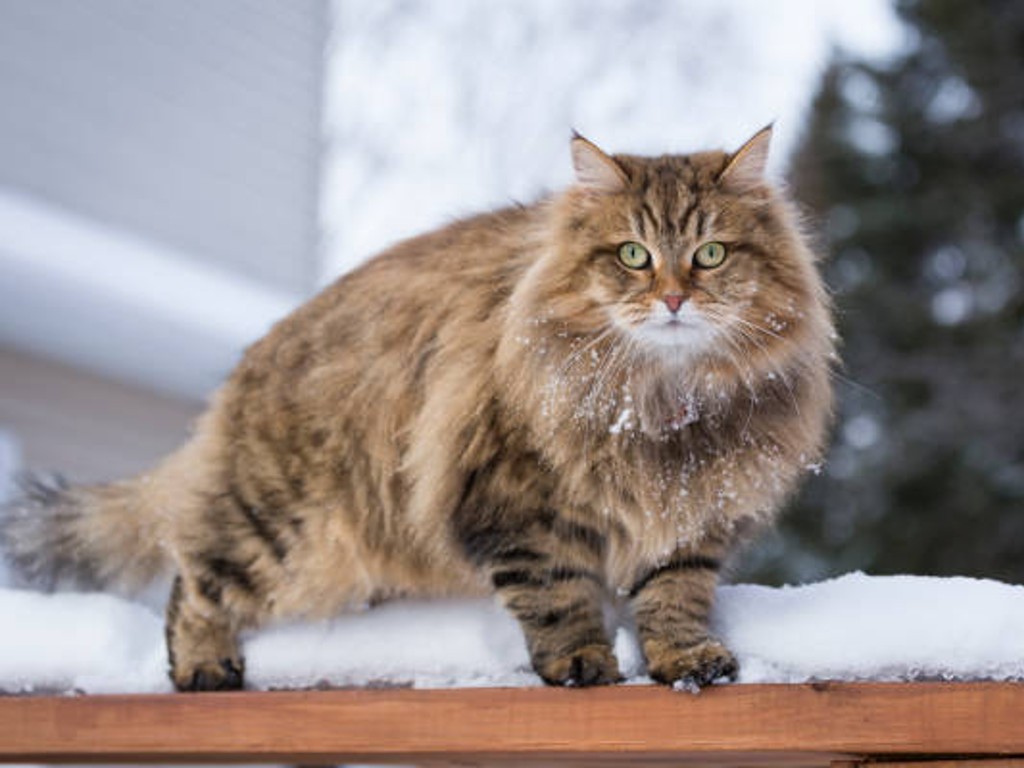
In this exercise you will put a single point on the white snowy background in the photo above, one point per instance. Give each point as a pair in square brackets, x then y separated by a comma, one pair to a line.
[437, 109]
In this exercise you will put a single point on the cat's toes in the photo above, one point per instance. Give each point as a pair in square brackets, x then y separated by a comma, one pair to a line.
[692, 667]
[224, 675]
[589, 665]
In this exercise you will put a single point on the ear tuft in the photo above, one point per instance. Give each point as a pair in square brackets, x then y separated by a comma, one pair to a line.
[595, 170]
[745, 168]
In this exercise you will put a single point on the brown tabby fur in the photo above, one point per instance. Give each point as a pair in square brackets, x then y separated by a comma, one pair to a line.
[472, 411]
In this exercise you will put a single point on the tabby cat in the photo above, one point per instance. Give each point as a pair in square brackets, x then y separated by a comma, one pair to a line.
[594, 396]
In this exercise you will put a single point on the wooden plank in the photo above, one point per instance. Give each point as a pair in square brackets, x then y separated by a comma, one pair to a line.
[748, 724]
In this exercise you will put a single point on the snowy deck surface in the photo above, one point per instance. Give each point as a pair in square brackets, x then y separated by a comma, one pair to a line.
[855, 627]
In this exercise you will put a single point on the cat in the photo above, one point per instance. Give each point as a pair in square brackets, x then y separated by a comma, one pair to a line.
[598, 395]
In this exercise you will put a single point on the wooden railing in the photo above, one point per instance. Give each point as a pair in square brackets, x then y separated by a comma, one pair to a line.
[750, 725]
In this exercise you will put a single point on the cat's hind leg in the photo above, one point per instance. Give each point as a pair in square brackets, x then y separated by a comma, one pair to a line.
[231, 557]
[202, 641]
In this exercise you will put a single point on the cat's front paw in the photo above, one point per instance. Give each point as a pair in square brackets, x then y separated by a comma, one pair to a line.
[691, 667]
[225, 675]
[589, 665]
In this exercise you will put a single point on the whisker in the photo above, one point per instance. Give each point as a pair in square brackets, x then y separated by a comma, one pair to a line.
[579, 352]
[774, 369]
[855, 384]
[762, 329]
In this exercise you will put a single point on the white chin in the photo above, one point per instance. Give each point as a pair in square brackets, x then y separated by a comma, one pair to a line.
[674, 337]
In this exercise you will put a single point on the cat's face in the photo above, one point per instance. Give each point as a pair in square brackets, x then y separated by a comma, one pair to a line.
[684, 255]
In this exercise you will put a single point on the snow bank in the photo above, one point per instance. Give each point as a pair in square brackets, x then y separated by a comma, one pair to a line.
[95, 643]
[850, 628]
[860, 627]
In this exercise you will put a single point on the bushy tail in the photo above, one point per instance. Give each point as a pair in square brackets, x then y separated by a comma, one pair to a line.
[88, 537]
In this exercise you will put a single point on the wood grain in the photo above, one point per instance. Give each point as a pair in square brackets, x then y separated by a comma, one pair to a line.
[730, 725]
[964, 763]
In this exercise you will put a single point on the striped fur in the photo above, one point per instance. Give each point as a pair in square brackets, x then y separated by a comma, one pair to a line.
[477, 410]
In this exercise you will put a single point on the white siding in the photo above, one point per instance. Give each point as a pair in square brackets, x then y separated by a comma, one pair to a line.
[192, 122]
[87, 427]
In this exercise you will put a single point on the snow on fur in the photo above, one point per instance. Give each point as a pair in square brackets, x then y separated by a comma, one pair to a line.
[855, 627]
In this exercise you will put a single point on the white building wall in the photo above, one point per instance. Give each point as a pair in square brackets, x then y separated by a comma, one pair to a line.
[195, 124]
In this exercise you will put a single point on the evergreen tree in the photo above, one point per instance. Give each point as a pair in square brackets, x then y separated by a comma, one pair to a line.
[915, 169]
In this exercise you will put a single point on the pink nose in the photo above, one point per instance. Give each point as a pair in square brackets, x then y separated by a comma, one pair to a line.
[674, 301]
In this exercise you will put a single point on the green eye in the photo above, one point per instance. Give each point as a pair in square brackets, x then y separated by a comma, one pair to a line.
[709, 255]
[634, 255]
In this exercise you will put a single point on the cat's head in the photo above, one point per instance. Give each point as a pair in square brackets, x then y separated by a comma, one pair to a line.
[683, 256]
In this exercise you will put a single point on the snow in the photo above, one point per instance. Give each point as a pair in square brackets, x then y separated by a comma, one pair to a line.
[624, 421]
[878, 628]
[95, 643]
[855, 627]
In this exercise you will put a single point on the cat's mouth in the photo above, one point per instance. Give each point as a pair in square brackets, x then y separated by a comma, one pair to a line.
[675, 332]
[684, 329]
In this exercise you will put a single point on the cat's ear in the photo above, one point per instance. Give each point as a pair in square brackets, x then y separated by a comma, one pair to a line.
[746, 165]
[595, 170]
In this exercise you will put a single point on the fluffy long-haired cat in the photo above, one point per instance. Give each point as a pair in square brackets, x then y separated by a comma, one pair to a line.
[595, 395]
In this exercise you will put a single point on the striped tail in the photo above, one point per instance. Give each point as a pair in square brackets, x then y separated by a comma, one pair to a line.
[86, 537]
